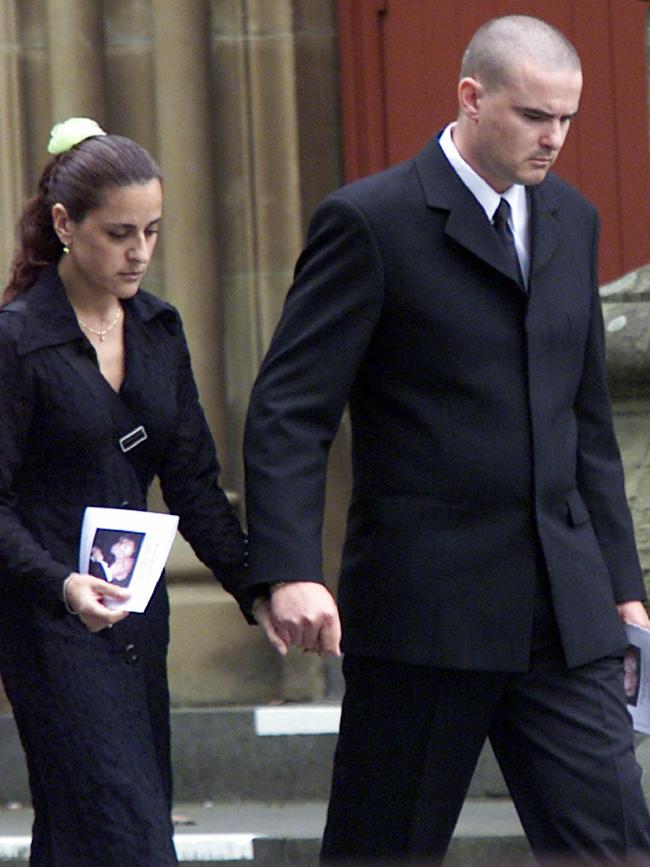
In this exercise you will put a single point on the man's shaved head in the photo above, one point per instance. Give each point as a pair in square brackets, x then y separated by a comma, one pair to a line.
[501, 43]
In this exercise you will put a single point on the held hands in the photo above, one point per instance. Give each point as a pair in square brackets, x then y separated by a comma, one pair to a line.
[301, 613]
[83, 594]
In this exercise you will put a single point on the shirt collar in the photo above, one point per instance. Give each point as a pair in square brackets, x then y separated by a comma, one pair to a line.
[486, 196]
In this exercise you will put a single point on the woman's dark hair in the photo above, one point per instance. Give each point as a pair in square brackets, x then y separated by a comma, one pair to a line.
[78, 179]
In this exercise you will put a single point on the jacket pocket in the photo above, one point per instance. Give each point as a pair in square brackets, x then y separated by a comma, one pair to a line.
[577, 511]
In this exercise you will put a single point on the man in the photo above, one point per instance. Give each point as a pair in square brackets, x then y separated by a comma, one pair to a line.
[489, 559]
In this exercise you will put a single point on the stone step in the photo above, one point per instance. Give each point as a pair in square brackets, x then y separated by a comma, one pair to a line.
[253, 781]
[274, 753]
[262, 753]
[288, 835]
[257, 779]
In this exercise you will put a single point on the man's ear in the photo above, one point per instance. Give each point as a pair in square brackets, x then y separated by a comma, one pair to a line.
[470, 91]
[61, 222]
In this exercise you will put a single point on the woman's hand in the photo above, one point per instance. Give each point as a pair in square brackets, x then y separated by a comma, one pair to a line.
[84, 593]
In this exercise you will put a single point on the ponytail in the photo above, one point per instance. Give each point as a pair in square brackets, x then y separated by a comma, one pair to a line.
[37, 242]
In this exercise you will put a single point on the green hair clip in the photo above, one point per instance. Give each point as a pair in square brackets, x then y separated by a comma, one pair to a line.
[70, 132]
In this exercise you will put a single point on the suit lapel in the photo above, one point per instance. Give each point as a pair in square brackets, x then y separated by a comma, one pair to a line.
[470, 227]
[467, 223]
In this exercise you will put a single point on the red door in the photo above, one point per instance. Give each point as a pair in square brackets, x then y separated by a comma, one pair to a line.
[399, 69]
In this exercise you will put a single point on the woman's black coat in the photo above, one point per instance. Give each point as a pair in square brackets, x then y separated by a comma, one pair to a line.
[93, 709]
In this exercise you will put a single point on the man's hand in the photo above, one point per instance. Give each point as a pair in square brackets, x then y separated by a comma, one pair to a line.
[301, 613]
[634, 612]
[84, 594]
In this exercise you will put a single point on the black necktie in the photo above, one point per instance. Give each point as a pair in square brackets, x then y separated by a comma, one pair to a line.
[503, 230]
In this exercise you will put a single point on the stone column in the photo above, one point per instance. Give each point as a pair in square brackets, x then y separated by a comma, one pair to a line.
[130, 92]
[31, 23]
[275, 104]
[276, 108]
[185, 149]
[12, 152]
[257, 173]
[76, 59]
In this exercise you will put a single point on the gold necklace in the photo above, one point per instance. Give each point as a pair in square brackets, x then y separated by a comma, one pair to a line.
[102, 334]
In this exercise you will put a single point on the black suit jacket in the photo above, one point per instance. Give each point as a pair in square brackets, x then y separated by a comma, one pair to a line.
[480, 417]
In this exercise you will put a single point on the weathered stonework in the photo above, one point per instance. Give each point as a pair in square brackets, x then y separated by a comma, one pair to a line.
[627, 323]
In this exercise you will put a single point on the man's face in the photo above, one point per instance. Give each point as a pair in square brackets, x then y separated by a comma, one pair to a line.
[518, 129]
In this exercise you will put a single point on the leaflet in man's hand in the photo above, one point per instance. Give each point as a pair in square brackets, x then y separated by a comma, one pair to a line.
[636, 673]
[127, 548]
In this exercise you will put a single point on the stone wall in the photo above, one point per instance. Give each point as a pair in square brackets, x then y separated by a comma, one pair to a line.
[626, 310]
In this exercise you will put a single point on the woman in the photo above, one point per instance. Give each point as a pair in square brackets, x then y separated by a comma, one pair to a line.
[96, 397]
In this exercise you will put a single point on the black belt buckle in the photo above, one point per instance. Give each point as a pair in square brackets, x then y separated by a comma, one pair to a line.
[133, 438]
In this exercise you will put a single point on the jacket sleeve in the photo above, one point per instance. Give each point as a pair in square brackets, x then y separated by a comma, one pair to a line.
[189, 478]
[600, 470]
[299, 396]
[22, 559]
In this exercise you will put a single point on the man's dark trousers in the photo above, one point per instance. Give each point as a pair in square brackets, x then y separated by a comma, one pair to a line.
[562, 737]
